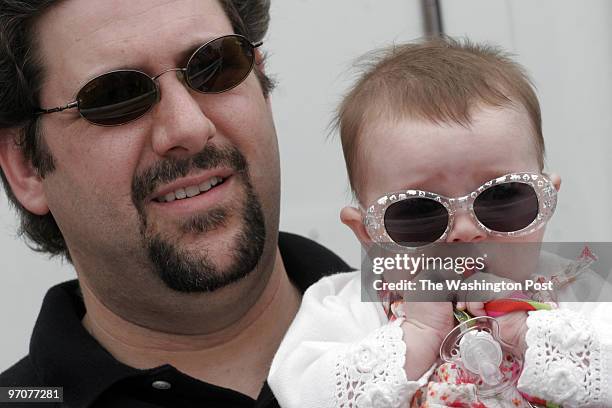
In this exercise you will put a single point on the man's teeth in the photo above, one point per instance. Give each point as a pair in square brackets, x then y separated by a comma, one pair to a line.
[190, 191]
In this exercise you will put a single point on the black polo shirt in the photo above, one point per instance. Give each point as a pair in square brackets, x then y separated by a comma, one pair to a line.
[62, 353]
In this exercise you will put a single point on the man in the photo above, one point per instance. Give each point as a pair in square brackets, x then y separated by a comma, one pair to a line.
[138, 142]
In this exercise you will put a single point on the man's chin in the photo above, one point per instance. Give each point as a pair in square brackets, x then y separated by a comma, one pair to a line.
[206, 261]
[209, 251]
[192, 268]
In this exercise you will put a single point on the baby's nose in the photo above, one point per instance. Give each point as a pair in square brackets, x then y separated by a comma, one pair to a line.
[465, 229]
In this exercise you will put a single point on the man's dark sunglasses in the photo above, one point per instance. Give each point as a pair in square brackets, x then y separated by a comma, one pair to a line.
[118, 97]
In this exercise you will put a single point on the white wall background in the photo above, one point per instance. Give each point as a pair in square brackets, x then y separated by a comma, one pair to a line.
[312, 46]
[566, 46]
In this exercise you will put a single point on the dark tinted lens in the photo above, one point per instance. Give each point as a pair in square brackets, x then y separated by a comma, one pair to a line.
[117, 97]
[507, 207]
[416, 221]
[220, 65]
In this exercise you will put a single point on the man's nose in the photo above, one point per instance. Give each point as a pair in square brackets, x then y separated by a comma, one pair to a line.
[465, 229]
[180, 126]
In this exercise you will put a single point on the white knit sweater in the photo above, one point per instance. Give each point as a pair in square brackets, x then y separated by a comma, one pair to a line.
[342, 352]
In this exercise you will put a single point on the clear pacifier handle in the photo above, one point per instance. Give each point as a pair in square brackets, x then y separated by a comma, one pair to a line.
[482, 355]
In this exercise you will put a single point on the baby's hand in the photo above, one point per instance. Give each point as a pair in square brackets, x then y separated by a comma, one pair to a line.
[475, 296]
[513, 329]
[426, 325]
[512, 326]
[475, 308]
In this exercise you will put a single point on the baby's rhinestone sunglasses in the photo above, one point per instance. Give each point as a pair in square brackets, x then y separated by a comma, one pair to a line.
[511, 205]
[121, 96]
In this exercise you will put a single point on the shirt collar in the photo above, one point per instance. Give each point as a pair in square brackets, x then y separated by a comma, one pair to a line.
[63, 352]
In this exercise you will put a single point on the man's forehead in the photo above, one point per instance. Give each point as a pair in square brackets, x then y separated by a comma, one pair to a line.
[81, 35]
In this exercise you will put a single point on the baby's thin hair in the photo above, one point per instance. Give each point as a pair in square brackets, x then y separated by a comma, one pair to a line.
[440, 80]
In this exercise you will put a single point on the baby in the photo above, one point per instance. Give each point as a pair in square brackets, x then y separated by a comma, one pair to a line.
[443, 144]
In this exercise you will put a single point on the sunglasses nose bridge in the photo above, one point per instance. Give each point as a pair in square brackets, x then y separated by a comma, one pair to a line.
[460, 204]
[180, 73]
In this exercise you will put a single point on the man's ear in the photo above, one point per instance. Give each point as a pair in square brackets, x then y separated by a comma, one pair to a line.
[22, 177]
[556, 180]
[260, 68]
[260, 60]
[351, 217]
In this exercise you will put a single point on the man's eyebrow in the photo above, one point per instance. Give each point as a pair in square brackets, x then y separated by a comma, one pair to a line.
[182, 59]
[191, 47]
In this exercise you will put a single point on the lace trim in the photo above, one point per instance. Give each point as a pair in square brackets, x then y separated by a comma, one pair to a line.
[371, 373]
[563, 361]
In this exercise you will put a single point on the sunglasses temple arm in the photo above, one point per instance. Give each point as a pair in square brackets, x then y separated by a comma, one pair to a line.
[58, 109]
[364, 212]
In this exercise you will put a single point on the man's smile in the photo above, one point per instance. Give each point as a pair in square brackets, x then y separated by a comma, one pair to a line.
[194, 193]
[190, 191]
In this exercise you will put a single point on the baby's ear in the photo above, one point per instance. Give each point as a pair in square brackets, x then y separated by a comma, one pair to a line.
[351, 217]
[556, 180]
[21, 175]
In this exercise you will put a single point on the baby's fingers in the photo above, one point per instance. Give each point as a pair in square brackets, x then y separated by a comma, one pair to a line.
[476, 308]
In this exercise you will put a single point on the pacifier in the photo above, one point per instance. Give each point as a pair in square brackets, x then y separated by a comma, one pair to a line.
[477, 349]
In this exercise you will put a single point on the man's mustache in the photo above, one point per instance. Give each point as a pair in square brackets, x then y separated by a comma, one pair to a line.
[168, 170]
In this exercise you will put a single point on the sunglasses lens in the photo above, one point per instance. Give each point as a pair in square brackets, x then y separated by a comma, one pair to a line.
[221, 64]
[416, 221]
[117, 97]
[507, 207]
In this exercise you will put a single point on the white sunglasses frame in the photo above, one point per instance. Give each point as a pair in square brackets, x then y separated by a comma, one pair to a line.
[373, 216]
